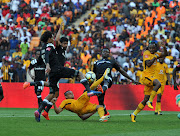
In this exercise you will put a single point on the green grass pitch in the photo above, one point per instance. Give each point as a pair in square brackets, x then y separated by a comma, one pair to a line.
[21, 122]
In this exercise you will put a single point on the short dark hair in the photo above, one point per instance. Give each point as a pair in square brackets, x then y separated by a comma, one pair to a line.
[63, 39]
[46, 35]
[66, 92]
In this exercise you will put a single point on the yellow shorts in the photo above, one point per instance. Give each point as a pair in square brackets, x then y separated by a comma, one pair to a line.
[161, 90]
[89, 108]
[148, 80]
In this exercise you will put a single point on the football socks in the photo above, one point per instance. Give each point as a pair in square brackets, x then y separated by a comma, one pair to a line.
[139, 108]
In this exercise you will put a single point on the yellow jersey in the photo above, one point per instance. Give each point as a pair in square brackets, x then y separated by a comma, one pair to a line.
[139, 74]
[160, 72]
[69, 104]
[149, 71]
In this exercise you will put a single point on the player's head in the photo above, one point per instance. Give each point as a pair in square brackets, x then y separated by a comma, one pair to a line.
[161, 60]
[37, 54]
[152, 48]
[105, 53]
[64, 42]
[47, 37]
[69, 95]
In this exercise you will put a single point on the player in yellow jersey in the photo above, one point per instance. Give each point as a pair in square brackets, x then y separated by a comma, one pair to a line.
[82, 107]
[162, 75]
[152, 84]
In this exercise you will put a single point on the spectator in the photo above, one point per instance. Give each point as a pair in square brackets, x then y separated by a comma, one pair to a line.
[17, 53]
[4, 70]
[13, 43]
[21, 73]
[7, 57]
[24, 48]
[7, 32]
[12, 74]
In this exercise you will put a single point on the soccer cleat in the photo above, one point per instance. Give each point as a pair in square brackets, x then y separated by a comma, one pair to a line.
[46, 115]
[26, 85]
[103, 119]
[149, 104]
[37, 115]
[99, 88]
[133, 117]
[107, 115]
[92, 93]
[160, 113]
[155, 113]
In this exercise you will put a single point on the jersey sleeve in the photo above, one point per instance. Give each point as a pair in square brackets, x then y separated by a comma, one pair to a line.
[94, 68]
[166, 69]
[32, 64]
[146, 55]
[64, 103]
[47, 53]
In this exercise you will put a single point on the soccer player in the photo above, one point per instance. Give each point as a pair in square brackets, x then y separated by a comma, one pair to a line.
[82, 107]
[162, 74]
[177, 68]
[1, 93]
[55, 69]
[152, 84]
[39, 69]
[99, 68]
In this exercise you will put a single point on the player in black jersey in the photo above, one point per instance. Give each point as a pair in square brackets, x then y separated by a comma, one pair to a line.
[1, 93]
[39, 69]
[55, 69]
[177, 68]
[99, 68]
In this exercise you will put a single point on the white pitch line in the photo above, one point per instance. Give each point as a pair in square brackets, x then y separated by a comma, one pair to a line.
[28, 116]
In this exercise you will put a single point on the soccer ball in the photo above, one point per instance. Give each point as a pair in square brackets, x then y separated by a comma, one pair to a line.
[178, 115]
[90, 76]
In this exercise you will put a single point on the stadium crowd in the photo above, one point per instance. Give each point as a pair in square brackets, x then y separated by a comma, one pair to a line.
[125, 27]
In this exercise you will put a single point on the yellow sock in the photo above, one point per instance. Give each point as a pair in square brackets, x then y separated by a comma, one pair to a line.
[159, 106]
[139, 108]
[153, 94]
[101, 111]
[96, 83]
[156, 109]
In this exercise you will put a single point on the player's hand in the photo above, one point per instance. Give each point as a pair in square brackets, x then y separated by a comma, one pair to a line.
[48, 69]
[54, 100]
[176, 86]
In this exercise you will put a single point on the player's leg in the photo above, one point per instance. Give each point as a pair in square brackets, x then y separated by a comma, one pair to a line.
[1, 93]
[53, 78]
[50, 104]
[99, 81]
[36, 83]
[159, 97]
[38, 90]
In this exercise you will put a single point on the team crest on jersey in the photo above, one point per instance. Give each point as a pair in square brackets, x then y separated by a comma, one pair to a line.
[48, 48]
[146, 56]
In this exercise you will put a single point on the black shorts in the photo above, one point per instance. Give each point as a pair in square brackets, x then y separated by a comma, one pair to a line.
[61, 73]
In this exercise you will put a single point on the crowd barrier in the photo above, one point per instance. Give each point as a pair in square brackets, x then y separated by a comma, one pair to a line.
[118, 97]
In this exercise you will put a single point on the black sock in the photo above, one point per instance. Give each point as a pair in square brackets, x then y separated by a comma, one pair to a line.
[39, 100]
[48, 107]
[86, 85]
[43, 105]
[104, 87]
[105, 111]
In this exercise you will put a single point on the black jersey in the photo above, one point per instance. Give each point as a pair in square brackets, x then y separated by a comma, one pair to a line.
[39, 69]
[12, 74]
[49, 55]
[101, 65]
[61, 54]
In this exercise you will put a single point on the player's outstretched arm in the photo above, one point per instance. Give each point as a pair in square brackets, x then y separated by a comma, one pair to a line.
[174, 79]
[59, 34]
[127, 76]
[56, 109]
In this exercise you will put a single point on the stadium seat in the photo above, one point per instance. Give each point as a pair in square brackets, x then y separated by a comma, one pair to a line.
[34, 43]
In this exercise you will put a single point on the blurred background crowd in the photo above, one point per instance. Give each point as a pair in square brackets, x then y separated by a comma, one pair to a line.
[125, 27]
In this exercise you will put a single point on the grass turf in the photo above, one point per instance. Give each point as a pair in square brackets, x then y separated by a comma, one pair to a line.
[21, 122]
